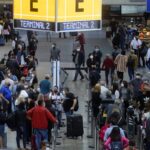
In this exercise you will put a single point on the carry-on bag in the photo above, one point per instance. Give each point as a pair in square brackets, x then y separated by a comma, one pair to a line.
[74, 125]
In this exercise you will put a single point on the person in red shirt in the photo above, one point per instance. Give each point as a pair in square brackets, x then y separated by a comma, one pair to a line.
[108, 66]
[39, 116]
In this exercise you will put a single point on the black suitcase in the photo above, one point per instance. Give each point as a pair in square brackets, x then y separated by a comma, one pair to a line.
[74, 125]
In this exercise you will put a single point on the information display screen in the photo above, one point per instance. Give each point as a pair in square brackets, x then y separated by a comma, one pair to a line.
[128, 9]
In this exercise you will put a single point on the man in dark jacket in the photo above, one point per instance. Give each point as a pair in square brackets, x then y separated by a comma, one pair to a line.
[79, 58]
[69, 102]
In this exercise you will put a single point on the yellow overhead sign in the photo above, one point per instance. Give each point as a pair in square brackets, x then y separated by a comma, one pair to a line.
[79, 10]
[56, 11]
[39, 10]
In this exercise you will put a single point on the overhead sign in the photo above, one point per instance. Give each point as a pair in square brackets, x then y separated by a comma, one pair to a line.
[148, 6]
[58, 15]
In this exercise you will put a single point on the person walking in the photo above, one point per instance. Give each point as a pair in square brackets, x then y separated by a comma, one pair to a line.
[79, 58]
[81, 39]
[121, 62]
[54, 53]
[132, 64]
[108, 66]
[136, 44]
[39, 116]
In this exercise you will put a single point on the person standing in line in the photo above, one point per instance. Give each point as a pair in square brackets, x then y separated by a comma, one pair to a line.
[39, 116]
[79, 58]
[21, 131]
[148, 59]
[45, 85]
[69, 102]
[108, 66]
[121, 63]
[6, 95]
[91, 63]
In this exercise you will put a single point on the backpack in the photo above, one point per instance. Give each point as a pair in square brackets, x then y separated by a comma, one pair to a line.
[11, 121]
[130, 62]
[116, 145]
[102, 131]
[77, 105]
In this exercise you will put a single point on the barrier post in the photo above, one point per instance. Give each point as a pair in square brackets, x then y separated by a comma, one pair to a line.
[56, 73]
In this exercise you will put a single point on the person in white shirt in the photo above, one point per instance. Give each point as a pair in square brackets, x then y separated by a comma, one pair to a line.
[104, 90]
[148, 59]
[136, 44]
[56, 99]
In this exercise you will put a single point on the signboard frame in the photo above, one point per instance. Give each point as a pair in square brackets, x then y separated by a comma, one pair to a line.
[57, 26]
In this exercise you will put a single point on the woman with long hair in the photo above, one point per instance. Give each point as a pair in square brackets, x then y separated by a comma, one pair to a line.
[115, 139]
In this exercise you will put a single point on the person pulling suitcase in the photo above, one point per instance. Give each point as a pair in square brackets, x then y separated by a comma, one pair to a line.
[74, 121]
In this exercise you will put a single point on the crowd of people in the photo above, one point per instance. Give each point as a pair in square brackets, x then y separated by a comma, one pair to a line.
[37, 106]
[121, 105]
[34, 106]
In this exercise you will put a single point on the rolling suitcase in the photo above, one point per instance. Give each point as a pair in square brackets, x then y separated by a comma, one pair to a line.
[74, 125]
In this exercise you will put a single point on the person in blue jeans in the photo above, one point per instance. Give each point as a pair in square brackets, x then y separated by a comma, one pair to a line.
[40, 116]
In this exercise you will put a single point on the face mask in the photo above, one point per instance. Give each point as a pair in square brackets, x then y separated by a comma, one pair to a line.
[91, 57]
[78, 49]
[96, 49]
[9, 74]
[63, 92]
[5, 57]
[53, 46]
[122, 85]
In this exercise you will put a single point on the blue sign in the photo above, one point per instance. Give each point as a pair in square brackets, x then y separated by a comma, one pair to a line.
[148, 6]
